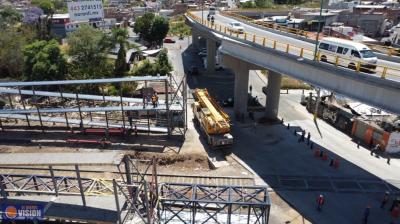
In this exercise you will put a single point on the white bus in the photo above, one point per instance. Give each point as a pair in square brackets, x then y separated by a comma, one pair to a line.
[349, 53]
[211, 10]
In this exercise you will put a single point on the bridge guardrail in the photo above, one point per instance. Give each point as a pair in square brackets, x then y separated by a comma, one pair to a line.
[357, 65]
[274, 26]
[389, 51]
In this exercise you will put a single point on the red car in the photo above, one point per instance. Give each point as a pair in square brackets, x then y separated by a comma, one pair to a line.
[169, 41]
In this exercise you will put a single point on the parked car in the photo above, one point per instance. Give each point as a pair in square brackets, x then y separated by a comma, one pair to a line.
[169, 41]
[236, 27]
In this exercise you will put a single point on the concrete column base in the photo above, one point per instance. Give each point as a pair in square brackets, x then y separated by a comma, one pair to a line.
[273, 94]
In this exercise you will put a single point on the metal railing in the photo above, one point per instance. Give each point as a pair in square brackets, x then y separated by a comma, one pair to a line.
[307, 53]
[389, 51]
[269, 25]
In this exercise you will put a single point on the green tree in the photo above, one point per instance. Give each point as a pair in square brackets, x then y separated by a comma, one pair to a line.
[60, 6]
[143, 25]
[120, 36]
[162, 64]
[88, 48]
[151, 28]
[44, 24]
[43, 60]
[9, 16]
[144, 68]
[46, 5]
[11, 57]
[159, 30]
[248, 4]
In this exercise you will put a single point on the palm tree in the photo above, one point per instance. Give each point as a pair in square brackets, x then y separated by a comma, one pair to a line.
[120, 36]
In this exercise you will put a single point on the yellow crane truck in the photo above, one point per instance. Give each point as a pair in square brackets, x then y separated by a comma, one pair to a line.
[213, 122]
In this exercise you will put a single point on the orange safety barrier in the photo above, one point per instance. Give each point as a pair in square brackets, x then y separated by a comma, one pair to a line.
[317, 152]
[324, 156]
[336, 163]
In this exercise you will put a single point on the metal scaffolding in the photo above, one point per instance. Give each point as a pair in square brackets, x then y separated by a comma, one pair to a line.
[68, 106]
[140, 198]
[140, 191]
[192, 203]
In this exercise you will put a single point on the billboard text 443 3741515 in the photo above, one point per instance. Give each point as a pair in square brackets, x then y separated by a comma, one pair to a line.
[84, 10]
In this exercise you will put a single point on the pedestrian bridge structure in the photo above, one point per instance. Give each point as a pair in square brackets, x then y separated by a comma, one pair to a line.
[243, 52]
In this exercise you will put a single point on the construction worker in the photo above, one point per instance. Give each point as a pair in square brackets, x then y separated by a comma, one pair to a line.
[107, 134]
[154, 100]
[320, 202]
[366, 214]
[395, 203]
[385, 199]
[148, 99]
[377, 147]
[130, 118]
[395, 214]
[303, 133]
[135, 130]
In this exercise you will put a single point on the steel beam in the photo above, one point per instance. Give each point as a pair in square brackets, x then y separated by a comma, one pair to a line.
[81, 190]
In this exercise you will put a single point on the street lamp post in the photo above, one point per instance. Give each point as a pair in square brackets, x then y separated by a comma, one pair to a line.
[315, 58]
[319, 30]
[202, 11]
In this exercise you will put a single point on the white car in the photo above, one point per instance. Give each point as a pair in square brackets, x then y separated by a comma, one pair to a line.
[236, 27]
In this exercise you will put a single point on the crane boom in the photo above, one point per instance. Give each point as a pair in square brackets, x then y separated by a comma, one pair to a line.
[215, 120]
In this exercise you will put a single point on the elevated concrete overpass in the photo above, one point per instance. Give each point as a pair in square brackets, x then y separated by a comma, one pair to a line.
[284, 55]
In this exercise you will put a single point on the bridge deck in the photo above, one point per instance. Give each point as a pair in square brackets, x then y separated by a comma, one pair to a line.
[94, 123]
[75, 96]
[90, 109]
[60, 159]
[99, 209]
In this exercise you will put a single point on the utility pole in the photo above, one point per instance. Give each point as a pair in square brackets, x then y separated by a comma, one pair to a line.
[317, 103]
[319, 30]
[202, 11]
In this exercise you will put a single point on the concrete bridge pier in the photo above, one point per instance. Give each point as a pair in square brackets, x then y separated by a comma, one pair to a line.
[241, 71]
[211, 53]
[195, 39]
[273, 94]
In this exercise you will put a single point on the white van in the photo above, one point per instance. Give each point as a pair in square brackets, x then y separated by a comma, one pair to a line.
[349, 53]
[211, 11]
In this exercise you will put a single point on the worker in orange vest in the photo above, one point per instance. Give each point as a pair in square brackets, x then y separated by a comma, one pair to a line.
[395, 213]
[320, 202]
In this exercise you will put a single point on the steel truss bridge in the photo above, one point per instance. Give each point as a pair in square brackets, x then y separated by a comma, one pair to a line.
[137, 195]
[76, 109]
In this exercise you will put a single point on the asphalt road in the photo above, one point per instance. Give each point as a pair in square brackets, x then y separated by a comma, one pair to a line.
[291, 167]
[393, 72]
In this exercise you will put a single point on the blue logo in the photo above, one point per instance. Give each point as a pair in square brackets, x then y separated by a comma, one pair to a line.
[22, 212]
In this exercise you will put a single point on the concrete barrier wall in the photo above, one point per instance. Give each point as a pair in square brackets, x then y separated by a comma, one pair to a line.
[302, 38]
